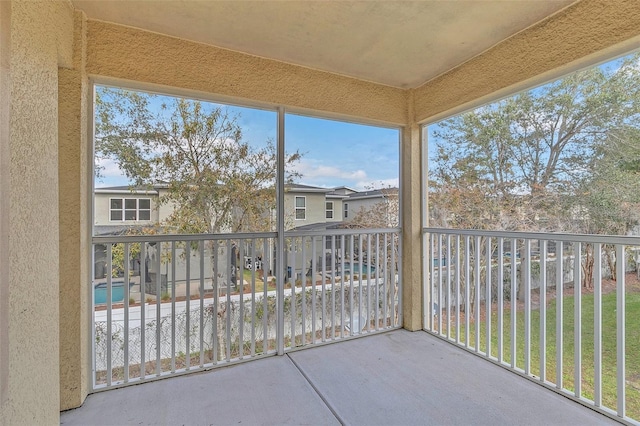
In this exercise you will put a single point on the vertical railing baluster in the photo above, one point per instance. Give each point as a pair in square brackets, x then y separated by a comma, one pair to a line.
[158, 307]
[351, 292]
[514, 300]
[227, 313]
[109, 313]
[201, 252]
[304, 292]
[173, 306]
[333, 287]
[265, 293]
[292, 290]
[440, 278]
[188, 305]
[543, 311]
[478, 251]
[127, 296]
[487, 298]
[324, 290]
[342, 308]
[386, 285]
[500, 299]
[253, 257]
[314, 267]
[359, 282]
[577, 319]
[559, 310]
[467, 288]
[240, 284]
[216, 299]
[526, 263]
[448, 294]
[597, 324]
[620, 331]
[399, 280]
[377, 280]
[143, 308]
[368, 266]
[457, 272]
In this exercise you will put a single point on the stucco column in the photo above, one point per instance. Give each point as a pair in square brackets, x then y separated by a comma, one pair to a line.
[40, 42]
[411, 222]
[74, 219]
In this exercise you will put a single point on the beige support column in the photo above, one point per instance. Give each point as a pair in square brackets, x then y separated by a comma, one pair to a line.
[40, 42]
[411, 222]
[5, 191]
[74, 216]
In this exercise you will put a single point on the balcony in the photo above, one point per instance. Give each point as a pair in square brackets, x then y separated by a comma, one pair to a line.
[358, 367]
[398, 377]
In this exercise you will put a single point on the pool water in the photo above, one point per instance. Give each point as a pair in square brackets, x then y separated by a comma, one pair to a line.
[366, 269]
[100, 293]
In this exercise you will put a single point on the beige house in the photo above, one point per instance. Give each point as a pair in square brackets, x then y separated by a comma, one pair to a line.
[399, 66]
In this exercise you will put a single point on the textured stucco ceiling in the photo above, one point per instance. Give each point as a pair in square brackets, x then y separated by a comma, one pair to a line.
[397, 43]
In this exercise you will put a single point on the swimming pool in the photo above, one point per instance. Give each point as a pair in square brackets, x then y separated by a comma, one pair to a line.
[366, 269]
[100, 292]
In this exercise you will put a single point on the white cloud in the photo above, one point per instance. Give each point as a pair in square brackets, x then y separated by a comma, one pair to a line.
[310, 171]
[378, 184]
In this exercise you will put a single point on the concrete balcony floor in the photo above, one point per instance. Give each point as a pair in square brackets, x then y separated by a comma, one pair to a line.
[395, 378]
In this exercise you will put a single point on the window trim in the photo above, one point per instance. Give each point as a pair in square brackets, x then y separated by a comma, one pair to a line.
[346, 211]
[123, 210]
[327, 210]
[296, 208]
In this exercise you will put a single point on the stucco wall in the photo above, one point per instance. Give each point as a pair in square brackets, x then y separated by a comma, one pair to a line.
[127, 53]
[585, 33]
[315, 209]
[41, 40]
[74, 218]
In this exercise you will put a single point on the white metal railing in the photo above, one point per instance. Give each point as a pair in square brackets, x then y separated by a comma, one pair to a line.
[171, 304]
[498, 294]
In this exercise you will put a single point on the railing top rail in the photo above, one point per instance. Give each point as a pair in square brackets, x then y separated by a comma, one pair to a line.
[553, 236]
[344, 231]
[111, 239]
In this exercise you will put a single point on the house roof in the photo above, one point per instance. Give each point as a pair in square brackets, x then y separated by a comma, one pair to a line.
[387, 42]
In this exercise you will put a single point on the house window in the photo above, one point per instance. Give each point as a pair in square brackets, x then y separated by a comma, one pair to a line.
[301, 208]
[129, 209]
[346, 210]
[329, 210]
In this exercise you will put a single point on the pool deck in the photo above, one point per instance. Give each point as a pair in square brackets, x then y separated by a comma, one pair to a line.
[394, 378]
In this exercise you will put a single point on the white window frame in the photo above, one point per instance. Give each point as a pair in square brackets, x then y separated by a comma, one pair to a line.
[328, 211]
[123, 210]
[346, 210]
[303, 208]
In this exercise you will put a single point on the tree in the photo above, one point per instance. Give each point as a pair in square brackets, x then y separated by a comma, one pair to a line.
[513, 161]
[215, 180]
[542, 160]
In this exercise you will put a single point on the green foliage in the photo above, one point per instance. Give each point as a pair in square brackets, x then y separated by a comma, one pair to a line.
[563, 156]
[215, 179]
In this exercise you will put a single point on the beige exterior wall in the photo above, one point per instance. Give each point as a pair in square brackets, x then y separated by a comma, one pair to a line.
[585, 33]
[127, 53]
[41, 41]
[315, 209]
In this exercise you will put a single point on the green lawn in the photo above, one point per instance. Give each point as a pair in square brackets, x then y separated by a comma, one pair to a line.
[587, 346]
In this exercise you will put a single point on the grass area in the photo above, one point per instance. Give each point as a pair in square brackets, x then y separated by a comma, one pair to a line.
[609, 392]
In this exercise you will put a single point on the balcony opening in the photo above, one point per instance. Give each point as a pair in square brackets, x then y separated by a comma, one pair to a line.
[196, 265]
[534, 233]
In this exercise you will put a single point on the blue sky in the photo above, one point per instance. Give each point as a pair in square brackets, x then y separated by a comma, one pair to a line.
[334, 153]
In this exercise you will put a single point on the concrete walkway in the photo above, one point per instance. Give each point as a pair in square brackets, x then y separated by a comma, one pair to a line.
[395, 378]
